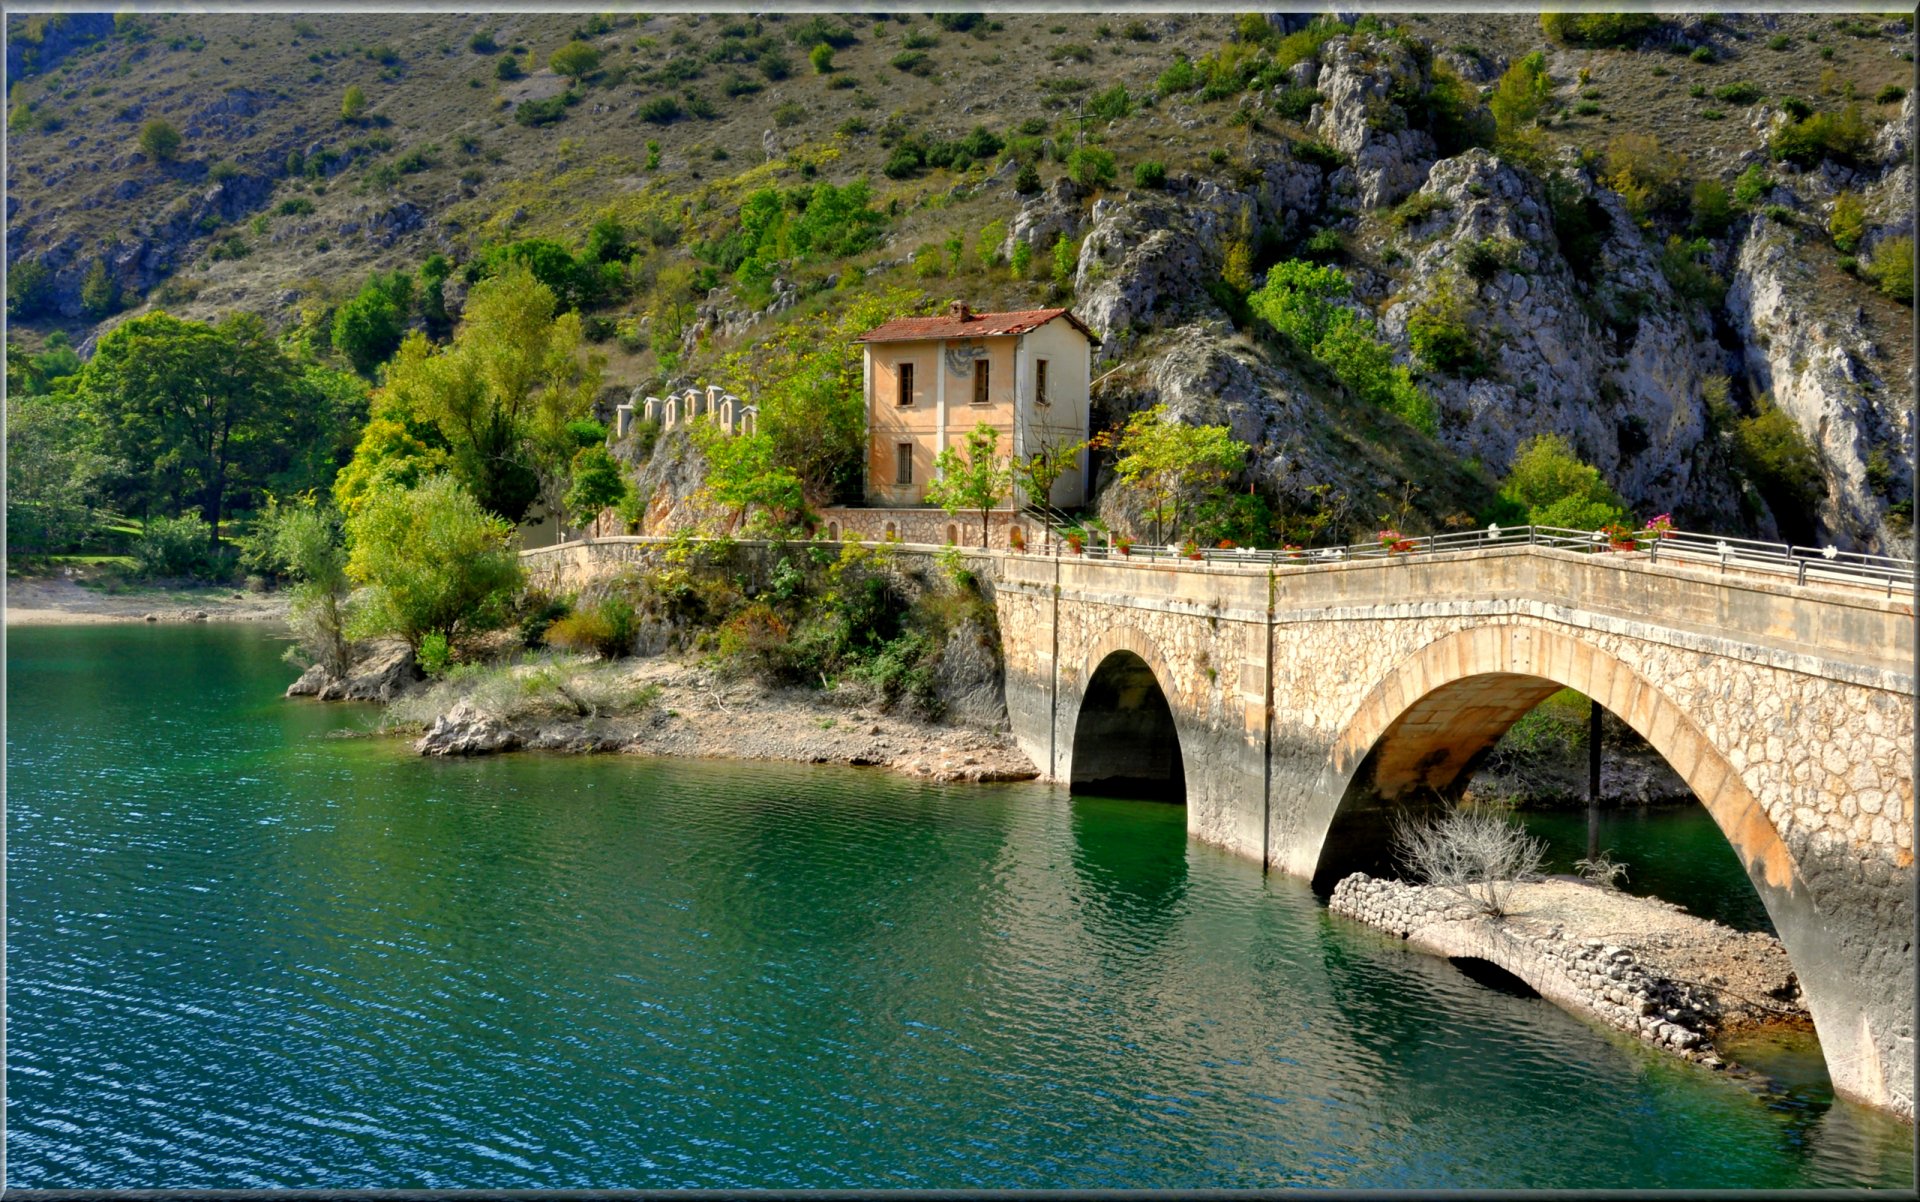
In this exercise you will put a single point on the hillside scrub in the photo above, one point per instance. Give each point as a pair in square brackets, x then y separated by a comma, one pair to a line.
[1299, 301]
[1549, 485]
[433, 562]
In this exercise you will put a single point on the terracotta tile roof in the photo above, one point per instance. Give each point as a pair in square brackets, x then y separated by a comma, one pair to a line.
[973, 325]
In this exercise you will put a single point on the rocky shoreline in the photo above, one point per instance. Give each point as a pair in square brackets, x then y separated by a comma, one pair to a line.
[1635, 964]
[670, 706]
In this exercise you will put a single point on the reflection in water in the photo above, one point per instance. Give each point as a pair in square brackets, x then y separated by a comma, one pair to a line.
[244, 954]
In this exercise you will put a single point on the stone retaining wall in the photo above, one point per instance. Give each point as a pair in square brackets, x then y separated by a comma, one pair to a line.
[1585, 975]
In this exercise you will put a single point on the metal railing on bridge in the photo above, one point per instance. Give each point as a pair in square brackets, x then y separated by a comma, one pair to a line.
[1802, 565]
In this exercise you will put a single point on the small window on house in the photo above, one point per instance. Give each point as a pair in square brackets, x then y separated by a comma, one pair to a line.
[903, 463]
[953, 534]
[906, 384]
[833, 532]
[979, 381]
[1040, 394]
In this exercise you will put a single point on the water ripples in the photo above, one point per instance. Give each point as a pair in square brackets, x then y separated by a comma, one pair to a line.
[246, 955]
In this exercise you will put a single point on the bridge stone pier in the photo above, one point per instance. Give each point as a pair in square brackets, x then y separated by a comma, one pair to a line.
[1293, 708]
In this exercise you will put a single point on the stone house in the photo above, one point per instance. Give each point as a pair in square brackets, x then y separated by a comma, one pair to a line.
[930, 380]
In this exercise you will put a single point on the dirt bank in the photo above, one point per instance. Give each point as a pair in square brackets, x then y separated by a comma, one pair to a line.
[63, 601]
[677, 706]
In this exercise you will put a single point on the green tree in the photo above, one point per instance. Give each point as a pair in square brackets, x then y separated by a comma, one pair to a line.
[1066, 256]
[159, 140]
[29, 289]
[1092, 167]
[575, 60]
[56, 472]
[353, 104]
[821, 56]
[597, 484]
[195, 410]
[310, 546]
[1520, 96]
[99, 294]
[747, 484]
[1892, 268]
[433, 303]
[499, 396]
[1712, 208]
[434, 562]
[1774, 453]
[979, 479]
[1552, 487]
[1648, 176]
[1848, 224]
[1020, 258]
[1037, 473]
[1176, 468]
[368, 328]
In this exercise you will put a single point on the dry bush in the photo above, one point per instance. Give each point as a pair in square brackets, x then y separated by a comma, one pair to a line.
[1478, 855]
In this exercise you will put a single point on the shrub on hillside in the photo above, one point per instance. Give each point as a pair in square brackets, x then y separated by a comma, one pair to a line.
[1599, 29]
[1848, 223]
[1151, 173]
[1843, 137]
[1091, 167]
[1548, 485]
[160, 140]
[1439, 333]
[1892, 268]
[1649, 177]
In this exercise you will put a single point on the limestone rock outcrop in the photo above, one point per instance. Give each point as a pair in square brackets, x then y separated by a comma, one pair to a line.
[380, 671]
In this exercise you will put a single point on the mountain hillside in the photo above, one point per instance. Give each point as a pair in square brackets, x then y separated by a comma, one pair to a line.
[1678, 243]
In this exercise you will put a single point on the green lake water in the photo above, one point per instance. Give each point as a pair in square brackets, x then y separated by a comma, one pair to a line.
[242, 953]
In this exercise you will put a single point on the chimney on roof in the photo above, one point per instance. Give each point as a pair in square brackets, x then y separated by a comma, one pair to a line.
[959, 312]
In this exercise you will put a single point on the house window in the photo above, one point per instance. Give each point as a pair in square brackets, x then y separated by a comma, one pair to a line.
[906, 384]
[1040, 382]
[903, 463]
[979, 381]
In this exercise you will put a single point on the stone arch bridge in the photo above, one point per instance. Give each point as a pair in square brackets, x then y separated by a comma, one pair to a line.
[1290, 707]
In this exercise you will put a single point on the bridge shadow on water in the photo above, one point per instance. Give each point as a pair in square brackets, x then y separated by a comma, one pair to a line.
[1125, 743]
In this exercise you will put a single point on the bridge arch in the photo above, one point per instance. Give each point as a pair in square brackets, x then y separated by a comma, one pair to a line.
[1417, 734]
[1126, 734]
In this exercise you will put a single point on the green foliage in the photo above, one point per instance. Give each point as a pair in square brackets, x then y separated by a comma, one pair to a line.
[1848, 224]
[1552, 487]
[1299, 301]
[745, 486]
[806, 378]
[1112, 104]
[508, 68]
[1178, 469]
[1844, 137]
[1091, 166]
[1741, 93]
[1020, 259]
[495, 401]
[821, 56]
[305, 541]
[1752, 184]
[433, 561]
[1454, 115]
[368, 328]
[198, 412]
[1684, 263]
[597, 484]
[576, 281]
[1066, 256]
[159, 140]
[1026, 181]
[1180, 77]
[1649, 177]
[1893, 93]
[575, 60]
[99, 292]
[173, 547]
[914, 153]
[435, 655]
[1439, 333]
[820, 223]
[56, 471]
[606, 627]
[1892, 268]
[353, 104]
[1520, 96]
[1773, 452]
[1599, 29]
[1150, 173]
[976, 480]
[1711, 208]
[544, 112]
[29, 289]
